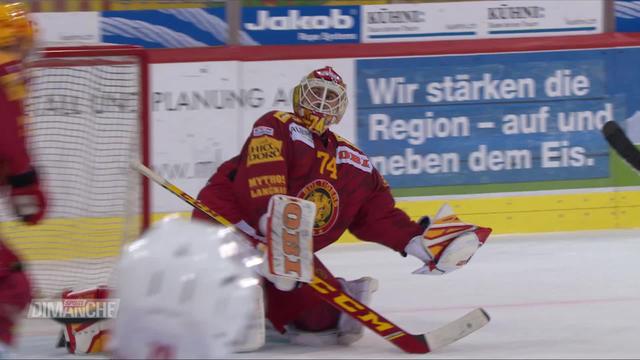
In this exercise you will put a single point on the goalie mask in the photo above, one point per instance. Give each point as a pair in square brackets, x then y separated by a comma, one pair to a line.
[186, 290]
[320, 99]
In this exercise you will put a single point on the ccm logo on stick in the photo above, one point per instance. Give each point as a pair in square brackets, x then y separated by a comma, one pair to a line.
[346, 303]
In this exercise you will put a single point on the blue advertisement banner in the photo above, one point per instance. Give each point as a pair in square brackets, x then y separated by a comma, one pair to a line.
[627, 16]
[165, 28]
[301, 25]
[499, 118]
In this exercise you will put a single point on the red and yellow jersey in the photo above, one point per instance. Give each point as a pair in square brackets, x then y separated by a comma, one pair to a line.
[281, 156]
[14, 158]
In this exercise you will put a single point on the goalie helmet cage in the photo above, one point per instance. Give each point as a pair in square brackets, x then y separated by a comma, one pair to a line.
[88, 115]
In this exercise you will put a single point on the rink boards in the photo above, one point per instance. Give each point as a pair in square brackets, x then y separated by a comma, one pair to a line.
[606, 208]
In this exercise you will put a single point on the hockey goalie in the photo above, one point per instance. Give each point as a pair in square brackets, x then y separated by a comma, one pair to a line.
[293, 190]
[296, 187]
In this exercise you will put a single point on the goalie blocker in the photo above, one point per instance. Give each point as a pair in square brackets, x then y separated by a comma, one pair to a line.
[288, 228]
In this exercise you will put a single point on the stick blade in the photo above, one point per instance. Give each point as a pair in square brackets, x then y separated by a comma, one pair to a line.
[457, 329]
[619, 141]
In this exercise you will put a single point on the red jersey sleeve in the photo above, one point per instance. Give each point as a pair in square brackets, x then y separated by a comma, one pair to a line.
[262, 167]
[13, 151]
[379, 220]
[218, 195]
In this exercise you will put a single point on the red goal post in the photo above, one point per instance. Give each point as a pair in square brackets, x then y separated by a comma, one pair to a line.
[88, 110]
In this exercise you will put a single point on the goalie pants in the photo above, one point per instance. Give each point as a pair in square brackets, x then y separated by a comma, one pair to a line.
[301, 307]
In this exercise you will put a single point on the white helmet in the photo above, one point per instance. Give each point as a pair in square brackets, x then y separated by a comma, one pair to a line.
[185, 290]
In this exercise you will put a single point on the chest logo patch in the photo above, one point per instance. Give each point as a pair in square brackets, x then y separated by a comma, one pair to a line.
[327, 201]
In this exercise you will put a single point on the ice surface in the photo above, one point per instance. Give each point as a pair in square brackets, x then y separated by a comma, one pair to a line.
[565, 295]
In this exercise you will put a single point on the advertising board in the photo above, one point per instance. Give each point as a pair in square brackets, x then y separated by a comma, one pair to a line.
[479, 19]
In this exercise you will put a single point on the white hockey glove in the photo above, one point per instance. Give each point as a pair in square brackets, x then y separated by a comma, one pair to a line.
[288, 229]
[447, 244]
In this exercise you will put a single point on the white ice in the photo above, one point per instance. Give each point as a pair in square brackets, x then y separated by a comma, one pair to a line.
[564, 295]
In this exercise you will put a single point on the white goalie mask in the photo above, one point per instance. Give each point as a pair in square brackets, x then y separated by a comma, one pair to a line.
[320, 100]
[185, 290]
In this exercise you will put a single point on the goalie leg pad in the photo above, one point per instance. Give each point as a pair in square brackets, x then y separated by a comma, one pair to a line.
[300, 307]
[316, 338]
[348, 330]
[254, 336]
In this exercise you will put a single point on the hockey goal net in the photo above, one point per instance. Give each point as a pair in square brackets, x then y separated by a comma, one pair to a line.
[88, 113]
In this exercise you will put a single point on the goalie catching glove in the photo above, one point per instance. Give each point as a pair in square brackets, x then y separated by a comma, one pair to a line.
[447, 243]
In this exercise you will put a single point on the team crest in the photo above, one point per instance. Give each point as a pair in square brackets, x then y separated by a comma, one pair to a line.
[327, 201]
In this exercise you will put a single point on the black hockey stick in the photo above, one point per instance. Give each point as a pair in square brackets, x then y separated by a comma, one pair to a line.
[619, 141]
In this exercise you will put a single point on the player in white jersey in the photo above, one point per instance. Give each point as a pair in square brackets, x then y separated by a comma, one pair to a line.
[187, 290]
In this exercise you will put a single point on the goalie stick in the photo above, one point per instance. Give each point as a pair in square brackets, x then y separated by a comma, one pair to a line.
[327, 288]
[619, 141]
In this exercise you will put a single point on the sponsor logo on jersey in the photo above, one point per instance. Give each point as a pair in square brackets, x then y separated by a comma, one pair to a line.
[301, 133]
[264, 149]
[295, 21]
[267, 185]
[262, 130]
[346, 155]
[327, 201]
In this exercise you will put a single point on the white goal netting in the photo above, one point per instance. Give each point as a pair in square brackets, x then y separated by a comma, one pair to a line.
[85, 127]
